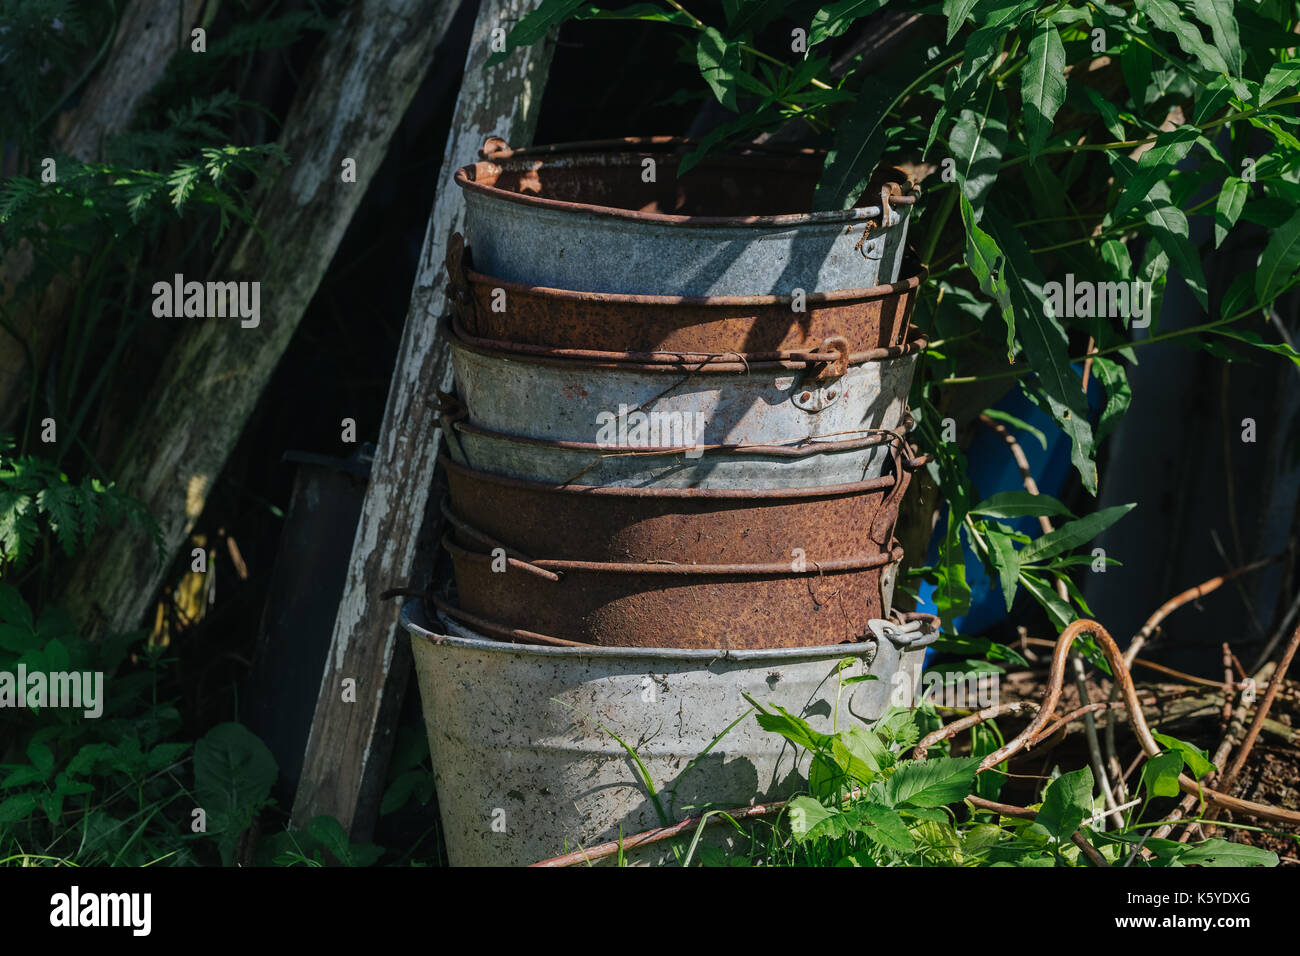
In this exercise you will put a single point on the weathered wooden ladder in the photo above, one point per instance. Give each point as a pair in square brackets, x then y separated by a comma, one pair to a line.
[352, 729]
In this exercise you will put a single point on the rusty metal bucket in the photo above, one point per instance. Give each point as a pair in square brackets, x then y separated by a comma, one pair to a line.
[623, 221]
[623, 404]
[797, 465]
[524, 769]
[688, 606]
[805, 528]
[761, 326]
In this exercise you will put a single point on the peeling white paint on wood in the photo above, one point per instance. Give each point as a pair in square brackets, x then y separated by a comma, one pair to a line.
[343, 744]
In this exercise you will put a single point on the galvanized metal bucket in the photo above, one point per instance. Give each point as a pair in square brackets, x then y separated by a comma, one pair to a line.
[623, 404]
[797, 465]
[522, 737]
[733, 225]
[761, 326]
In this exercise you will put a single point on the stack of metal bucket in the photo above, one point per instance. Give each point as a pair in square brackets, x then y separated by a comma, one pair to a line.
[675, 454]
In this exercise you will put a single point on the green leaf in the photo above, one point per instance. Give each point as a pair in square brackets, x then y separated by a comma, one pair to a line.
[1045, 346]
[859, 143]
[996, 20]
[883, 826]
[233, 775]
[1227, 208]
[1160, 774]
[985, 739]
[1119, 394]
[985, 261]
[978, 142]
[58, 502]
[1210, 99]
[1217, 852]
[834, 20]
[1279, 261]
[18, 529]
[1218, 16]
[23, 777]
[1252, 338]
[1115, 254]
[332, 836]
[1020, 504]
[1067, 802]
[535, 25]
[861, 754]
[806, 814]
[91, 759]
[635, 11]
[1135, 63]
[794, 729]
[1042, 87]
[1002, 552]
[952, 592]
[982, 646]
[1058, 612]
[931, 783]
[1072, 534]
[1107, 111]
[1197, 760]
[1166, 15]
[719, 62]
[1169, 225]
[41, 756]
[1154, 167]
[957, 12]
[1270, 124]
[1282, 77]
[18, 807]
[1017, 423]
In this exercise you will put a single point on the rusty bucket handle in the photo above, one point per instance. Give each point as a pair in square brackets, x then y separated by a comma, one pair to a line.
[495, 631]
[514, 559]
[837, 367]
[886, 519]
[452, 411]
[458, 288]
[494, 148]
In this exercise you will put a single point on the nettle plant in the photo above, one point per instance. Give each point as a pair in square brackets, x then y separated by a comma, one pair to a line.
[1073, 154]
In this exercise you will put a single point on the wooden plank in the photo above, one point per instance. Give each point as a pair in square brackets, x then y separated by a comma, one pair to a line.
[350, 102]
[347, 752]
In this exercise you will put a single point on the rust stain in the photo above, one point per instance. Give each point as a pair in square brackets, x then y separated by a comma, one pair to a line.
[760, 326]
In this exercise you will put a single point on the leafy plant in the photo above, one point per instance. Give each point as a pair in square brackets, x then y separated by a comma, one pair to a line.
[868, 805]
[37, 499]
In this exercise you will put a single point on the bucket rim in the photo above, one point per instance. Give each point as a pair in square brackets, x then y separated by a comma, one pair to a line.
[470, 178]
[846, 489]
[416, 623]
[901, 289]
[802, 448]
[908, 351]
